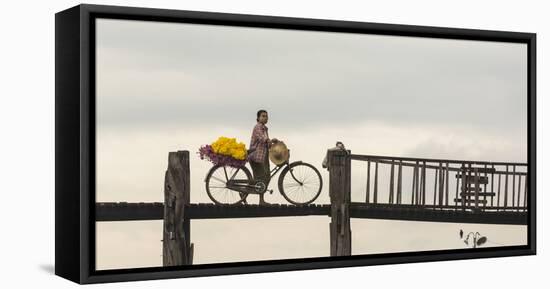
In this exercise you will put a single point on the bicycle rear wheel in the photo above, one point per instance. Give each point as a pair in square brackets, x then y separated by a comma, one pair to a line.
[216, 182]
[300, 183]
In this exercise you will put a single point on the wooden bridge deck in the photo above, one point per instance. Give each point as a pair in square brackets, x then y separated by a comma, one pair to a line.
[436, 214]
[155, 211]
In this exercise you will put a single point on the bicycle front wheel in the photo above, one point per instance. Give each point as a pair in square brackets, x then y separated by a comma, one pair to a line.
[300, 183]
[218, 185]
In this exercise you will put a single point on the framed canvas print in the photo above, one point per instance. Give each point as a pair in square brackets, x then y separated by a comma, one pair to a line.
[198, 143]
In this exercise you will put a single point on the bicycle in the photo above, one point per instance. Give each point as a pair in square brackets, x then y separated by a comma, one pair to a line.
[299, 183]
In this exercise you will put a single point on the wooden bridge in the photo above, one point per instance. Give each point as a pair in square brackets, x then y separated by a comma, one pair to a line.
[484, 192]
[155, 211]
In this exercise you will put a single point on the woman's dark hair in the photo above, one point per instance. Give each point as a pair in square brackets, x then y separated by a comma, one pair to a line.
[259, 113]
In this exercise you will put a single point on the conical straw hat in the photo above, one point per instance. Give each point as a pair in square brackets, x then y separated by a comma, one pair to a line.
[279, 153]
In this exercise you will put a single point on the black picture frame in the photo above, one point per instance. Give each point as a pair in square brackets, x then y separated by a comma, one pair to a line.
[75, 208]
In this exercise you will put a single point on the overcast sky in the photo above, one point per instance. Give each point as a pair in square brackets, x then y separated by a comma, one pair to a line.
[164, 87]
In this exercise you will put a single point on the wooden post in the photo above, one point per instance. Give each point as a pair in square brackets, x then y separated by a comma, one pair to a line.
[435, 186]
[468, 185]
[519, 189]
[424, 183]
[492, 183]
[339, 191]
[399, 181]
[375, 200]
[441, 179]
[391, 183]
[413, 202]
[485, 187]
[447, 184]
[176, 246]
[506, 189]
[498, 195]
[513, 185]
[417, 168]
[368, 182]
[464, 185]
[456, 191]
[476, 193]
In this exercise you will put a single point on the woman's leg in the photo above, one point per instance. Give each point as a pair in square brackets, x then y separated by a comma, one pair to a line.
[265, 177]
[258, 172]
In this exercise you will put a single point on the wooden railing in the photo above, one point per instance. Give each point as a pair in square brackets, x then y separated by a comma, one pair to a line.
[446, 184]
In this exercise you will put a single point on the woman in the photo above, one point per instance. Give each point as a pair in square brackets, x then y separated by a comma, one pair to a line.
[259, 156]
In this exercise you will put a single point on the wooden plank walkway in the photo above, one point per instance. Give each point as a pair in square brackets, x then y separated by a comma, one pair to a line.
[430, 214]
[155, 211]
[124, 211]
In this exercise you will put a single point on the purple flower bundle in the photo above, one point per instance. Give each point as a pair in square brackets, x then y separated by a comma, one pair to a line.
[206, 152]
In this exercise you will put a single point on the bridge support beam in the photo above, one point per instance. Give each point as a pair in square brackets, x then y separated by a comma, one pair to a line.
[339, 165]
[176, 246]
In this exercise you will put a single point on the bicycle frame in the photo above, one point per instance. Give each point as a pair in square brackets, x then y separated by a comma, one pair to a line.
[242, 185]
[239, 185]
[274, 171]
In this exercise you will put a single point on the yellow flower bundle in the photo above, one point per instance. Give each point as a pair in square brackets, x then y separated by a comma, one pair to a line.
[229, 147]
